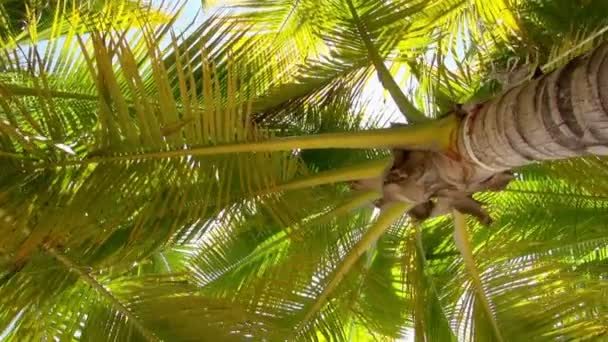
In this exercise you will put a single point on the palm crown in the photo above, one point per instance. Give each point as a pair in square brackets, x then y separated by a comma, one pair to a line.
[209, 186]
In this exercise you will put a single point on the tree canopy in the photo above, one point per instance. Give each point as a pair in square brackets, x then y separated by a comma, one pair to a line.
[162, 185]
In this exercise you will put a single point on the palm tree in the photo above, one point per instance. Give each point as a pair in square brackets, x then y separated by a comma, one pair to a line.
[226, 186]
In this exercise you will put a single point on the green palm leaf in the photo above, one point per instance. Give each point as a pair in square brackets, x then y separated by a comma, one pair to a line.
[163, 186]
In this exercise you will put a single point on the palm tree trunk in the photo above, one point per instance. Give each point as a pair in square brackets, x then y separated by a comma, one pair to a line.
[560, 115]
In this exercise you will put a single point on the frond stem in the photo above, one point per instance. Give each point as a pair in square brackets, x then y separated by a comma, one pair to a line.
[411, 113]
[116, 304]
[12, 155]
[560, 194]
[435, 135]
[354, 203]
[462, 240]
[365, 170]
[384, 222]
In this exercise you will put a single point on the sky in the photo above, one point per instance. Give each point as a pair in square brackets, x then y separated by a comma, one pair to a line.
[190, 11]
[373, 92]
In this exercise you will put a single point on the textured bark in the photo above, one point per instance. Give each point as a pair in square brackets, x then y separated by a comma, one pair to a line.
[436, 183]
[560, 115]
